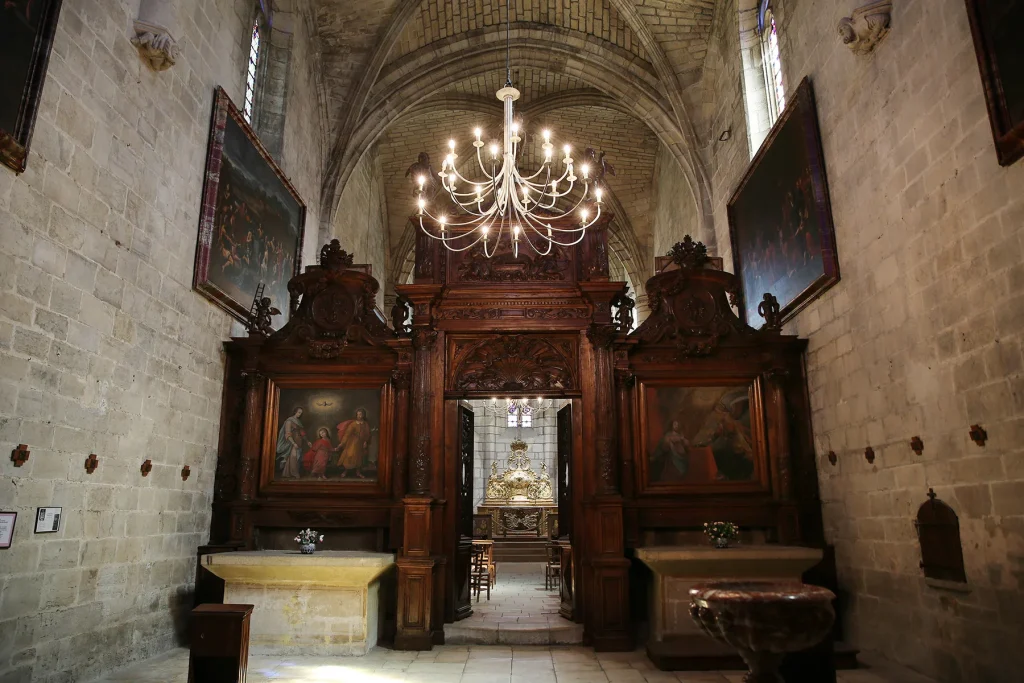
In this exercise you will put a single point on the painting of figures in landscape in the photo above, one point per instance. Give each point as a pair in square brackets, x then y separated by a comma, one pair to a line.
[327, 435]
[700, 436]
[780, 218]
[26, 35]
[252, 224]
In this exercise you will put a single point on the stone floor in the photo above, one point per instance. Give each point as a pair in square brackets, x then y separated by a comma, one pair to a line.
[471, 664]
[519, 608]
[520, 612]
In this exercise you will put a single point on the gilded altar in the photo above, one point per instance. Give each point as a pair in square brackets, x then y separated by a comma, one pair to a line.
[519, 500]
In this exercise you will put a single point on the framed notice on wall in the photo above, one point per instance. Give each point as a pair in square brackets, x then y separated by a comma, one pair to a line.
[47, 520]
[7, 520]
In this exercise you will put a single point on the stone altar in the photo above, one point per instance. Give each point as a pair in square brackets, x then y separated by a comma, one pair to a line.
[321, 604]
[676, 569]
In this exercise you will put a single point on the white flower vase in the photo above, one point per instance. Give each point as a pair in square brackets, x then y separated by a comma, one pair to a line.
[721, 542]
[307, 548]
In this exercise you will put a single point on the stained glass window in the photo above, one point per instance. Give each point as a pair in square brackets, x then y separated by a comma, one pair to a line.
[772, 65]
[513, 415]
[250, 74]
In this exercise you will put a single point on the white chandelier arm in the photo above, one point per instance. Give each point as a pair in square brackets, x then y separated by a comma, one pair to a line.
[447, 240]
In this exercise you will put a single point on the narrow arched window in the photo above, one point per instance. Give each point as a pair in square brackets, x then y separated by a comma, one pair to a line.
[771, 59]
[252, 68]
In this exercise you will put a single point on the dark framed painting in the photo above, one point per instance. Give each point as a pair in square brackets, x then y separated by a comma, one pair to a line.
[780, 218]
[996, 28]
[702, 437]
[319, 436]
[252, 220]
[26, 37]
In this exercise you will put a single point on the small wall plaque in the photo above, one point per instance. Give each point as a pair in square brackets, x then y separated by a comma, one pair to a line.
[7, 520]
[19, 456]
[917, 445]
[146, 468]
[832, 458]
[185, 471]
[978, 435]
[869, 454]
[91, 463]
[47, 520]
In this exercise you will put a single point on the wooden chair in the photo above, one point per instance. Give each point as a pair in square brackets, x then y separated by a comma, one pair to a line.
[479, 572]
[553, 568]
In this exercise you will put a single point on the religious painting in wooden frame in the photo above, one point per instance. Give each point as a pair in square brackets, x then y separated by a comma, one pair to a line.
[326, 435]
[252, 219]
[705, 436]
[996, 28]
[27, 28]
[780, 218]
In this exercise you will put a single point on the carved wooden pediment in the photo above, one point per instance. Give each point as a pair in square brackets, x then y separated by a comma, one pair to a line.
[336, 308]
[515, 363]
[691, 306]
[506, 266]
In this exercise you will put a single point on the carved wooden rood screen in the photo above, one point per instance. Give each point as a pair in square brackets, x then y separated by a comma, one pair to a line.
[553, 326]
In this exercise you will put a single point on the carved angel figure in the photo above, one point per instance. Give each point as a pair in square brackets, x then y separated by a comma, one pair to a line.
[599, 165]
[423, 168]
[260, 322]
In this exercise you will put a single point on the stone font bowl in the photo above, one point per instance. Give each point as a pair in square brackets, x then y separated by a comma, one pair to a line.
[763, 619]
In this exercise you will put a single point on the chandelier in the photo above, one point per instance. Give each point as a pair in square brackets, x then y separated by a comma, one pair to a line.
[499, 201]
[534, 407]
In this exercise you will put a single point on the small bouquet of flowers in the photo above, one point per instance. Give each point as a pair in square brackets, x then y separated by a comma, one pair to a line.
[307, 540]
[720, 533]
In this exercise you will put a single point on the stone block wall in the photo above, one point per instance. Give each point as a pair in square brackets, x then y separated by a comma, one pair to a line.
[922, 336]
[360, 223]
[491, 439]
[105, 348]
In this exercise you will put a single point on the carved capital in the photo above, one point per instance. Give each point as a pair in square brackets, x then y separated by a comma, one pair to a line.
[156, 45]
[602, 336]
[866, 26]
[423, 340]
[625, 378]
[402, 379]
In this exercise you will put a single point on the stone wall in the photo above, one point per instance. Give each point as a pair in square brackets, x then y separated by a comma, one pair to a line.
[361, 221]
[922, 336]
[675, 213]
[105, 348]
[491, 439]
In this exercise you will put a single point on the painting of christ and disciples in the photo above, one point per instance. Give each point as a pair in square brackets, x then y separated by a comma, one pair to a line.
[328, 435]
[700, 435]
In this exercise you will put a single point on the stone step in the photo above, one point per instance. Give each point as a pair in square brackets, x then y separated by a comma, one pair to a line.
[494, 633]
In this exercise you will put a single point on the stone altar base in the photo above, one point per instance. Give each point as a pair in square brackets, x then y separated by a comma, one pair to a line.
[676, 642]
[321, 604]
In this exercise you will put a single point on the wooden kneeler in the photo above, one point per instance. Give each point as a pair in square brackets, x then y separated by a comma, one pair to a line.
[219, 644]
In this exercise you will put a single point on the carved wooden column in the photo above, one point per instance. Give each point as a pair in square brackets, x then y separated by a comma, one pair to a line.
[778, 447]
[605, 566]
[625, 380]
[401, 379]
[247, 472]
[418, 598]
